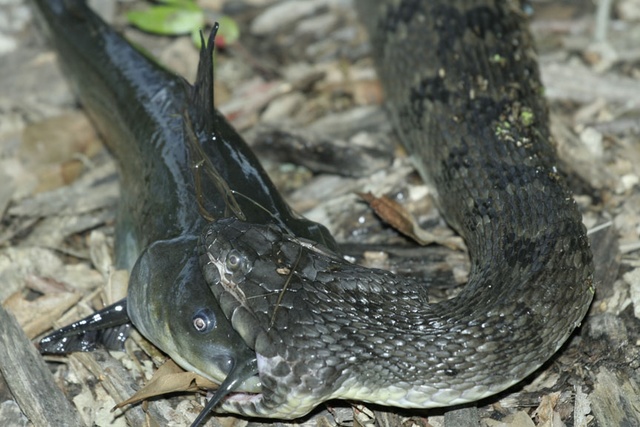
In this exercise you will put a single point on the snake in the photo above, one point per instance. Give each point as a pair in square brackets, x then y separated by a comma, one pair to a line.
[464, 93]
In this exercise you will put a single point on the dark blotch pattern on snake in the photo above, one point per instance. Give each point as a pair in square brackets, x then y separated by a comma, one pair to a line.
[464, 92]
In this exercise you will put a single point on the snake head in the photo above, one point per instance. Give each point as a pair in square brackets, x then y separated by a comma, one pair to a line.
[258, 274]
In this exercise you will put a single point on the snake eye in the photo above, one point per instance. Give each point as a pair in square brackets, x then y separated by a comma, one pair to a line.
[204, 320]
[234, 260]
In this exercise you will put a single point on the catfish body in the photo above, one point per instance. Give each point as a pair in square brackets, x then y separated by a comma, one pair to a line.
[156, 125]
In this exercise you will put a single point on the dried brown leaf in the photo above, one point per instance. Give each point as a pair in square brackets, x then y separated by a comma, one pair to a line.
[48, 308]
[51, 147]
[169, 378]
[400, 219]
[546, 411]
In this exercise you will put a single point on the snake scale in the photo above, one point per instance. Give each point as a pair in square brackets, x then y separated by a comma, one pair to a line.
[464, 93]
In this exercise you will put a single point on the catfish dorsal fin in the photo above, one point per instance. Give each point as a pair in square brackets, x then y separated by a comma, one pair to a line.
[201, 109]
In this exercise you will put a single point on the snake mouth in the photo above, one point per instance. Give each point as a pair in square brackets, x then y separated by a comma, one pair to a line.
[243, 398]
[248, 402]
[242, 403]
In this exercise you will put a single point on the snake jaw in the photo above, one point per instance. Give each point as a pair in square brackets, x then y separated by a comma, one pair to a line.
[272, 402]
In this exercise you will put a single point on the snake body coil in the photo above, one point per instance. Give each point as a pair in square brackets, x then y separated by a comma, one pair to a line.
[463, 88]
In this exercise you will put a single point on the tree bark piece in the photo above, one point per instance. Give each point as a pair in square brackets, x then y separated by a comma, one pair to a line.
[29, 379]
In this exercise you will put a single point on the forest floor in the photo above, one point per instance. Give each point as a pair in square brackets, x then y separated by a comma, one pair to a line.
[300, 86]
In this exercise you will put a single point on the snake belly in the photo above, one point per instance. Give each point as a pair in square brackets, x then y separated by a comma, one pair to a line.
[464, 93]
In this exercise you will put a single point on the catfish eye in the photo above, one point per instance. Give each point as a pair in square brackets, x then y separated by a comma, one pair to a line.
[204, 320]
[234, 260]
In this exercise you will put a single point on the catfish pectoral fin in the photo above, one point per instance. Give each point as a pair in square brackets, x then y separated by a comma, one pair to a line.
[107, 328]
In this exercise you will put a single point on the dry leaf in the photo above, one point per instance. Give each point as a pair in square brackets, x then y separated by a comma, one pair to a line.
[169, 378]
[51, 149]
[546, 410]
[394, 214]
[47, 308]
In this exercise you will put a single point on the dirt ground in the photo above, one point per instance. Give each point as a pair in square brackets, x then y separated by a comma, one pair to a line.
[300, 86]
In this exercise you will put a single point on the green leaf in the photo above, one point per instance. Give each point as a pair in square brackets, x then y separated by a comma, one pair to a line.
[229, 31]
[168, 20]
[183, 4]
